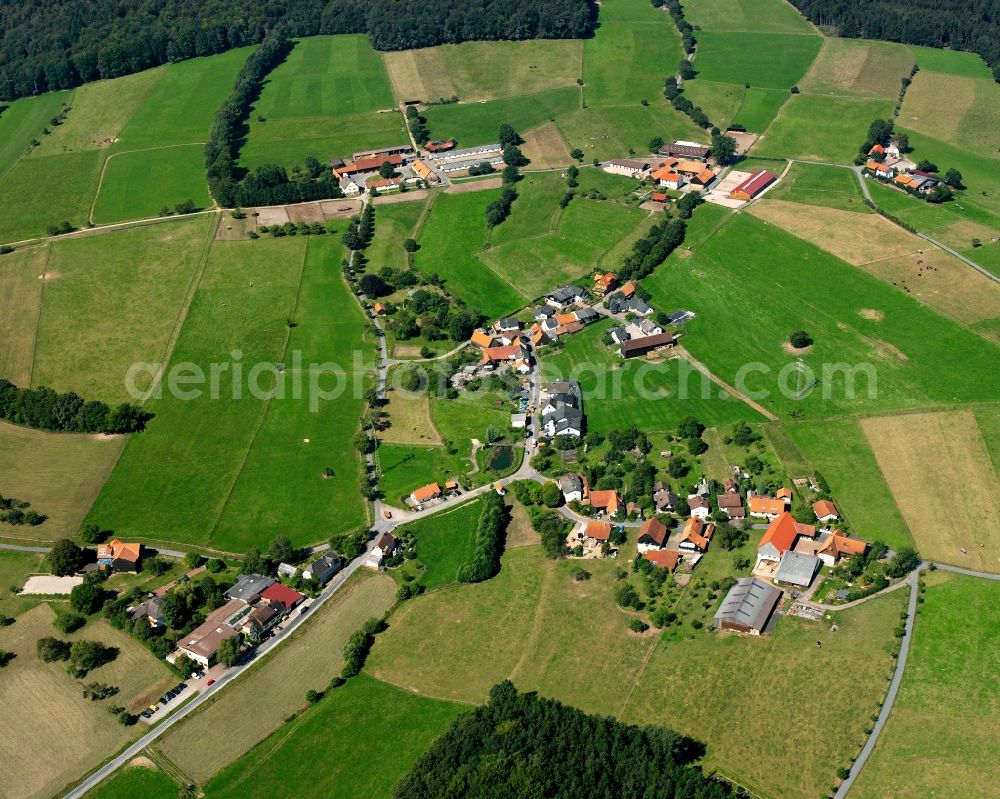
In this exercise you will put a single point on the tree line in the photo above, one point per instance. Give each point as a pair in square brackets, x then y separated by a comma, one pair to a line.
[268, 184]
[972, 25]
[47, 45]
[520, 745]
[45, 409]
[489, 543]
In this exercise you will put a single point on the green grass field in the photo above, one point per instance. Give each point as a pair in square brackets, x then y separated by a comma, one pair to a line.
[988, 422]
[144, 780]
[309, 660]
[113, 300]
[42, 191]
[255, 473]
[764, 60]
[721, 689]
[325, 101]
[24, 120]
[469, 416]
[454, 231]
[177, 173]
[20, 300]
[15, 568]
[394, 223]
[654, 396]
[444, 542]
[758, 16]
[919, 357]
[963, 112]
[58, 473]
[951, 62]
[813, 184]
[478, 123]
[946, 706]
[363, 722]
[838, 450]
[406, 467]
[845, 121]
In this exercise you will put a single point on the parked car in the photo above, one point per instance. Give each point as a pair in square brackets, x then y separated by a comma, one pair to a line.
[210, 682]
[153, 708]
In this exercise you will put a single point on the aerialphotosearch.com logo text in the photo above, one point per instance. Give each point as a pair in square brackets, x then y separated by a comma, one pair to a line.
[323, 382]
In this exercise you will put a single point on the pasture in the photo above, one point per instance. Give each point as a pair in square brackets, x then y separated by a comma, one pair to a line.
[653, 395]
[478, 123]
[308, 661]
[137, 185]
[444, 542]
[476, 71]
[747, 16]
[454, 231]
[732, 699]
[946, 706]
[609, 131]
[250, 438]
[60, 474]
[814, 184]
[839, 451]
[46, 706]
[363, 722]
[901, 259]
[951, 62]
[732, 104]
[524, 624]
[918, 357]
[965, 531]
[113, 300]
[764, 60]
[469, 416]
[140, 778]
[859, 68]
[794, 133]
[329, 98]
[24, 120]
[42, 191]
[394, 223]
[20, 300]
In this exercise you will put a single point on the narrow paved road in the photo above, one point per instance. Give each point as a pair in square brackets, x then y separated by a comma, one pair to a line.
[890, 697]
[263, 650]
[170, 553]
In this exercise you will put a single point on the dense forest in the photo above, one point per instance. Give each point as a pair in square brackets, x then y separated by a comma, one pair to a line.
[521, 746]
[57, 44]
[960, 24]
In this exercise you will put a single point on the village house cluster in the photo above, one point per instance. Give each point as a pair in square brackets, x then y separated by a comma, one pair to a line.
[886, 163]
[681, 166]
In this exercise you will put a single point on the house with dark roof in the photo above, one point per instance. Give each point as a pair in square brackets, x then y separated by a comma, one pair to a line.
[780, 537]
[685, 149]
[796, 568]
[571, 486]
[323, 568]
[748, 607]
[732, 505]
[249, 587]
[385, 547]
[635, 347]
[629, 167]
[151, 610]
[566, 296]
[665, 500]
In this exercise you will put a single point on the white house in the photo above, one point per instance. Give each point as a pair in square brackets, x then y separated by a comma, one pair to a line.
[349, 187]
[385, 547]
[699, 507]
[571, 486]
[628, 167]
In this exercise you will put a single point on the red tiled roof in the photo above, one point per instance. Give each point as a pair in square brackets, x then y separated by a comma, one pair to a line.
[755, 184]
[783, 531]
[605, 499]
[427, 492]
[761, 504]
[658, 197]
[663, 558]
[825, 508]
[599, 531]
[655, 530]
[278, 592]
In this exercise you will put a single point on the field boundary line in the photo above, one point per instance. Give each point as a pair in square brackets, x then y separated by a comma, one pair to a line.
[182, 312]
[25, 154]
[531, 642]
[415, 692]
[38, 317]
[267, 404]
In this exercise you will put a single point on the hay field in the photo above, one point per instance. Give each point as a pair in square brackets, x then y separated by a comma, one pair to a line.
[363, 722]
[46, 706]
[965, 112]
[20, 301]
[859, 68]
[60, 474]
[23, 120]
[476, 71]
[963, 515]
[409, 419]
[113, 300]
[545, 147]
[127, 189]
[947, 704]
[721, 689]
[260, 700]
[935, 278]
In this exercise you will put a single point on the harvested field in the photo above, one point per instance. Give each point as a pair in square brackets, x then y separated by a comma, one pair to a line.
[961, 111]
[545, 147]
[60, 474]
[474, 185]
[963, 529]
[309, 660]
[419, 74]
[873, 243]
[20, 303]
[520, 533]
[409, 419]
[46, 706]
